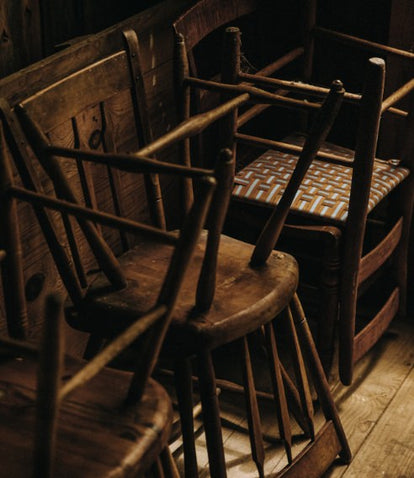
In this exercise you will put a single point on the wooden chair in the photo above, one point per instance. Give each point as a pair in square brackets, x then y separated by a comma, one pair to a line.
[224, 298]
[133, 411]
[61, 424]
[264, 245]
[323, 217]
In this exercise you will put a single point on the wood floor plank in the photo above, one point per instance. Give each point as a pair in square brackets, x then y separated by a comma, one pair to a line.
[237, 445]
[379, 375]
[389, 450]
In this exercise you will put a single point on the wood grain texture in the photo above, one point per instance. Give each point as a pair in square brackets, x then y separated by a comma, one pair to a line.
[103, 442]
[230, 307]
[390, 452]
[379, 376]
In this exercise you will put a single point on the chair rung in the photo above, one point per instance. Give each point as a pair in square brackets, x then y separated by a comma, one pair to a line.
[317, 456]
[372, 261]
[369, 335]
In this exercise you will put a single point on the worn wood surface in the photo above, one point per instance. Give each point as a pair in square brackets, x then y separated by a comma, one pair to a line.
[230, 306]
[389, 450]
[102, 442]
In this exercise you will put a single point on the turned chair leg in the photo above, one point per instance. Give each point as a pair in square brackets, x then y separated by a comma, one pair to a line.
[252, 408]
[303, 388]
[168, 464]
[401, 259]
[319, 380]
[279, 390]
[327, 313]
[184, 390]
[211, 415]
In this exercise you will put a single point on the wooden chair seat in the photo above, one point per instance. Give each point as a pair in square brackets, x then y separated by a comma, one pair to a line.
[245, 299]
[92, 439]
[325, 190]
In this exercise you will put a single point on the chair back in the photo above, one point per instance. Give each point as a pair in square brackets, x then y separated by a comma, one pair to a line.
[101, 106]
[65, 202]
[32, 108]
[208, 19]
[322, 123]
[365, 181]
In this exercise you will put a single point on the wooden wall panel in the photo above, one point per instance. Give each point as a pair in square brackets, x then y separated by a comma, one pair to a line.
[31, 29]
[20, 34]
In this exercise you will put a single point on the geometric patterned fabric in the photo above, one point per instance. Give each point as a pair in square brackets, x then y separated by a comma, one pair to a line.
[325, 189]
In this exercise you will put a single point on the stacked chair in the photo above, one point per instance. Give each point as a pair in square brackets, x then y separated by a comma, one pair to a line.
[351, 217]
[70, 418]
[81, 418]
[230, 290]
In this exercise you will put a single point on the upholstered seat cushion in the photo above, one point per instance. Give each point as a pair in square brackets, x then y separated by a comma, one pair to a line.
[325, 189]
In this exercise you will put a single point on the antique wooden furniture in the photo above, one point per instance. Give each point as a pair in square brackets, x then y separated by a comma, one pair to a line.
[325, 221]
[233, 311]
[73, 419]
[126, 442]
[223, 299]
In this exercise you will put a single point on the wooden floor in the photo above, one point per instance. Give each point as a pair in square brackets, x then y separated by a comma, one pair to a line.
[377, 412]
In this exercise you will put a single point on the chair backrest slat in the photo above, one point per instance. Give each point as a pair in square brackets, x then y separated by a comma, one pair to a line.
[90, 93]
[80, 90]
[207, 282]
[144, 131]
[16, 142]
[100, 248]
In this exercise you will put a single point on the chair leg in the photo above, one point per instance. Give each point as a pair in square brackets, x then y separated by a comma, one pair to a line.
[319, 380]
[401, 261]
[157, 470]
[294, 400]
[279, 390]
[253, 416]
[325, 338]
[211, 415]
[292, 395]
[168, 464]
[93, 346]
[329, 301]
[184, 389]
[300, 373]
